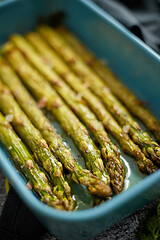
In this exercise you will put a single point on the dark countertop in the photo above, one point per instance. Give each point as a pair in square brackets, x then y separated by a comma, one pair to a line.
[124, 230]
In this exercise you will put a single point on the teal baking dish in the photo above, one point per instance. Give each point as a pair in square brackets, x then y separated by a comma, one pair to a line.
[136, 65]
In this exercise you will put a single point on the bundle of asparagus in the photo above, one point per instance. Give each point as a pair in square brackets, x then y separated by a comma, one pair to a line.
[28, 104]
[67, 91]
[109, 151]
[150, 148]
[25, 163]
[121, 92]
[50, 58]
[32, 137]
[50, 99]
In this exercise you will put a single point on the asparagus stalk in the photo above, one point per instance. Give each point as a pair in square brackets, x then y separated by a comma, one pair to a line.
[49, 57]
[108, 149]
[119, 90]
[37, 144]
[150, 148]
[26, 164]
[50, 99]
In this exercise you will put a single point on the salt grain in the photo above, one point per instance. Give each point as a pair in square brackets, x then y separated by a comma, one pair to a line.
[9, 117]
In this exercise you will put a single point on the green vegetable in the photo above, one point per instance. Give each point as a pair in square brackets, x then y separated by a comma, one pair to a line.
[50, 99]
[150, 148]
[32, 137]
[119, 90]
[54, 61]
[26, 164]
[108, 149]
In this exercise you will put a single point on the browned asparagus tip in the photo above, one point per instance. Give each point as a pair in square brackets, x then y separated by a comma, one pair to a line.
[150, 167]
[71, 204]
[100, 188]
[53, 202]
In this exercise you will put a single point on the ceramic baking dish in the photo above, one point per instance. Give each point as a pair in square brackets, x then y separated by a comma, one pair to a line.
[136, 65]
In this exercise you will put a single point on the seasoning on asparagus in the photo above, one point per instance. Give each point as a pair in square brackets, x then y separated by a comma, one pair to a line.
[150, 148]
[119, 90]
[26, 164]
[54, 61]
[32, 137]
[50, 99]
[108, 149]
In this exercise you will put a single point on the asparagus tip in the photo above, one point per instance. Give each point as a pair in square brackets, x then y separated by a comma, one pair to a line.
[99, 188]
[53, 201]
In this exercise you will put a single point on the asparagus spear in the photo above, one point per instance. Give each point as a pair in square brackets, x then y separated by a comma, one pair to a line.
[121, 91]
[37, 145]
[50, 99]
[26, 164]
[108, 149]
[150, 148]
[54, 61]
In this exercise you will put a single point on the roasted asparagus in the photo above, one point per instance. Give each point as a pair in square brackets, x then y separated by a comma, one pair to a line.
[32, 137]
[149, 147]
[135, 106]
[108, 149]
[50, 58]
[26, 164]
[28, 104]
[51, 100]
